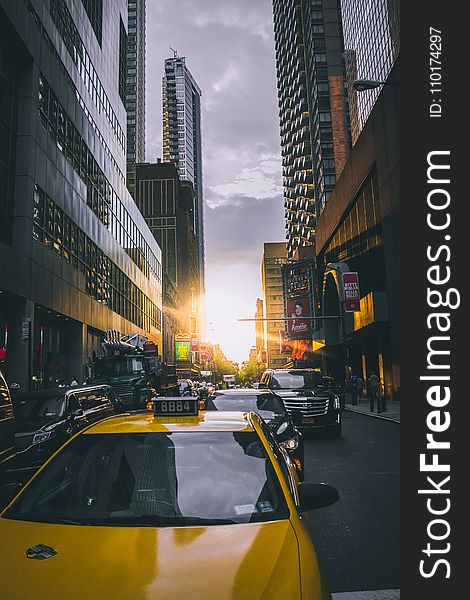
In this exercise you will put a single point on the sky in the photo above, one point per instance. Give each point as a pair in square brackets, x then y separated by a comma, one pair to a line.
[229, 49]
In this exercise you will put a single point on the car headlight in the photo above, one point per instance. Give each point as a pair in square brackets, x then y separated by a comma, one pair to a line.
[290, 444]
[282, 427]
[336, 403]
[42, 436]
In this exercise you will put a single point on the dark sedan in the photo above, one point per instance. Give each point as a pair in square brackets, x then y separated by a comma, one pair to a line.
[45, 419]
[271, 409]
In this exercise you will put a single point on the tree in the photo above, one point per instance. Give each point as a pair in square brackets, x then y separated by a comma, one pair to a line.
[250, 371]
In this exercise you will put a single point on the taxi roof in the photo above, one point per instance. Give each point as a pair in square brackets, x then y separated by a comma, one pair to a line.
[147, 423]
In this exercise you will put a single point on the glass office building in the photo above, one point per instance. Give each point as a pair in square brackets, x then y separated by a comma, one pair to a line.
[76, 255]
[372, 44]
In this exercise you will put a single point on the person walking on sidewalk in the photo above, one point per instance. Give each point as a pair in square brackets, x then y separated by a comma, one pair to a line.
[359, 387]
[374, 383]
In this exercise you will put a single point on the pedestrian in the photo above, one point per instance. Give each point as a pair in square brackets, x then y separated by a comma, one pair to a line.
[74, 382]
[353, 389]
[374, 383]
[359, 386]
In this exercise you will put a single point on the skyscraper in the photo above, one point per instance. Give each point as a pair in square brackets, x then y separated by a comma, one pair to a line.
[135, 81]
[182, 141]
[312, 108]
[372, 44]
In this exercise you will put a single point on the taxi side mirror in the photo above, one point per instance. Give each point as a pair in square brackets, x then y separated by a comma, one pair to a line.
[316, 495]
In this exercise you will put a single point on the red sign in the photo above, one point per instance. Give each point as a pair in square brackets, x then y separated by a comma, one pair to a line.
[298, 309]
[352, 296]
[194, 343]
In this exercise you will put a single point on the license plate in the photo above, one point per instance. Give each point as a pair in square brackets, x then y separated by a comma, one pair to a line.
[308, 419]
[188, 406]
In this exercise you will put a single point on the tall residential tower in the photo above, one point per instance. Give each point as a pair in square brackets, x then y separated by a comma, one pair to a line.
[312, 109]
[182, 141]
[135, 81]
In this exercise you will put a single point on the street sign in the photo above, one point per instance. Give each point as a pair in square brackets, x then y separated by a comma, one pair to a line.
[352, 296]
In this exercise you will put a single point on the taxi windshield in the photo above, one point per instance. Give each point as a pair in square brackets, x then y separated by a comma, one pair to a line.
[156, 479]
[268, 406]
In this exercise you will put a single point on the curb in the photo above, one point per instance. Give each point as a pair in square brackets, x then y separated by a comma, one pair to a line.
[374, 415]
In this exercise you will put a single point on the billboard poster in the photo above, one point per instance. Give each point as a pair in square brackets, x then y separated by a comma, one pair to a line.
[298, 299]
[298, 311]
[352, 296]
[183, 351]
[194, 342]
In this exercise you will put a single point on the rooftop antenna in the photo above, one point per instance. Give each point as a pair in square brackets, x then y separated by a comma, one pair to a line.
[175, 52]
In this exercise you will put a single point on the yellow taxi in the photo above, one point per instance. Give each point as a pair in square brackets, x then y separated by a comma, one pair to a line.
[169, 504]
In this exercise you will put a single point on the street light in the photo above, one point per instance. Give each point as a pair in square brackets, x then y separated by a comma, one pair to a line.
[361, 85]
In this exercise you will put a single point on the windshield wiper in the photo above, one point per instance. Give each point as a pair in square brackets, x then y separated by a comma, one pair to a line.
[157, 521]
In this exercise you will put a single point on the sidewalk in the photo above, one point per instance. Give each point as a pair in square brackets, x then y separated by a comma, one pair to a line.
[363, 406]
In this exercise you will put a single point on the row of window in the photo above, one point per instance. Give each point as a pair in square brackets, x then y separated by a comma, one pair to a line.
[101, 197]
[104, 281]
[73, 42]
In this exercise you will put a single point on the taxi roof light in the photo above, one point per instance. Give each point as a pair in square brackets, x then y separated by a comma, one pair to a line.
[175, 406]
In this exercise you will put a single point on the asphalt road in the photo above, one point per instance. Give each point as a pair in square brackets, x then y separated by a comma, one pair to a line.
[357, 539]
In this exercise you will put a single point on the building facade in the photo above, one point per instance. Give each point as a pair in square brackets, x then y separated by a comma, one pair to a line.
[167, 205]
[372, 44]
[314, 124]
[359, 231]
[274, 256]
[182, 143]
[76, 256]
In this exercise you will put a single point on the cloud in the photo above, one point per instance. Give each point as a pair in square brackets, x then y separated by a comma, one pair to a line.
[239, 229]
[229, 49]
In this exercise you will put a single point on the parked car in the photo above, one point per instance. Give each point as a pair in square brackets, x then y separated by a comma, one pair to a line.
[306, 393]
[271, 409]
[7, 422]
[45, 419]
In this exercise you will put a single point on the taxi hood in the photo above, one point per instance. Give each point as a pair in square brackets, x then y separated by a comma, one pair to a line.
[253, 560]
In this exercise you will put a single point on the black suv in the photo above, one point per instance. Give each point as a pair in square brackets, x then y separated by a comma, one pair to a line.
[305, 393]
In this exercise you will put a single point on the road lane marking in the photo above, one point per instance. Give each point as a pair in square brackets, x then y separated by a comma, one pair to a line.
[369, 595]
